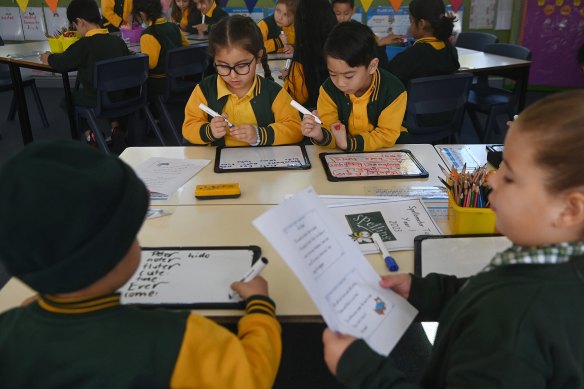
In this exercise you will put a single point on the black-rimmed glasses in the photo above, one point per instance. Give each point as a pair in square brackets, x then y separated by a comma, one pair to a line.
[241, 68]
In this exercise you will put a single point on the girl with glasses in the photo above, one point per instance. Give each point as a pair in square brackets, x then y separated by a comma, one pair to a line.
[258, 110]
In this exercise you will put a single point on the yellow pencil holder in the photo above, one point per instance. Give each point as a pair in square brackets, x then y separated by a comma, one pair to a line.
[469, 220]
[67, 41]
[56, 45]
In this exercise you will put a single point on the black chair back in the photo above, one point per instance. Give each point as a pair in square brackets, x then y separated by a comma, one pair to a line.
[436, 106]
[475, 40]
[185, 67]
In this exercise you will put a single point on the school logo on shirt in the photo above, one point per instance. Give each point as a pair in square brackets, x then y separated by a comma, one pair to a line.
[364, 225]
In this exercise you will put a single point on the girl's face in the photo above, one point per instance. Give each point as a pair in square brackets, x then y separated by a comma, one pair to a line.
[343, 11]
[204, 5]
[282, 16]
[182, 4]
[526, 211]
[237, 67]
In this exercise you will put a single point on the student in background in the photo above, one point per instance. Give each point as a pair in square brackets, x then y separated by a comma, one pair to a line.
[361, 106]
[432, 54]
[181, 11]
[517, 323]
[212, 14]
[95, 45]
[116, 14]
[313, 21]
[278, 29]
[259, 108]
[343, 9]
[155, 41]
[76, 254]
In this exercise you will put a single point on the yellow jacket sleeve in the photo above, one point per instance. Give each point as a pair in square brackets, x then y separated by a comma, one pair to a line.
[271, 45]
[183, 39]
[151, 47]
[213, 357]
[329, 114]
[107, 9]
[295, 84]
[286, 128]
[195, 119]
[389, 126]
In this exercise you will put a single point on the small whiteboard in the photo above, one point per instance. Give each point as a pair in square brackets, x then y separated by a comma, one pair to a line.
[372, 165]
[189, 277]
[458, 255]
[243, 159]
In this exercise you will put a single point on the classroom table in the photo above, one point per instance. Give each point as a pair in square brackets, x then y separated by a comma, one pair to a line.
[270, 187]
[26, 55]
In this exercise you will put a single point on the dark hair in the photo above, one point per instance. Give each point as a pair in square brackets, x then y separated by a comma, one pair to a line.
[313, 22]
[240, 31]
[580, 55]
[83, 9]
[434, 12]
[176, 13]
[353, 43]
[350, 2]
[151, 8]
[556, 126]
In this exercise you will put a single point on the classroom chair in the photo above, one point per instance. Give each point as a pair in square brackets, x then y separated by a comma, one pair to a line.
[121, 88]
[436, 106]
[475, 40]
[495, 101]
[185, 67]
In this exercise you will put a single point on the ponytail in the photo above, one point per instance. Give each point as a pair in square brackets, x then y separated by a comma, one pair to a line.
[434, 12]
[443, 26]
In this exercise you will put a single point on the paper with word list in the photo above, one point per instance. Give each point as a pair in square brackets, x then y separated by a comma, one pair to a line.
[336, 275]
[163, 176]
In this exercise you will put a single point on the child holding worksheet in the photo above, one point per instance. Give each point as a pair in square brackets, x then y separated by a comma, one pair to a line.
[360, 105]
[257, 110]
[517, 323]
[76, 253]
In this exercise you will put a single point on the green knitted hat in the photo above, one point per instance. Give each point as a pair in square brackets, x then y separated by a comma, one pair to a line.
[68, 214]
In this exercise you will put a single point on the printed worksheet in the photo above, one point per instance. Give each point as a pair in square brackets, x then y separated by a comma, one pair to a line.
[331, 267]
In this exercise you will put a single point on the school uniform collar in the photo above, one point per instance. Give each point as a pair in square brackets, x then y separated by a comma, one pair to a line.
[210, 11]
[436, 43]
[79, 305]
[372, 92]
[223, 91]
[96, 31]
[161, 20]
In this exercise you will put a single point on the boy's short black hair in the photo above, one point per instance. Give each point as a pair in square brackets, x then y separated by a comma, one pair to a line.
[350, 2]
[353, 43]
[83, 9]
[580, 55]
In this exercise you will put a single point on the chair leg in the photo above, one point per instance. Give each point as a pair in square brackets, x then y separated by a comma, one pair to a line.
[154, 125]
[491, 123]
[476, 123]
[101, 143]
[12, 110]
[168, 119]
[39, 104]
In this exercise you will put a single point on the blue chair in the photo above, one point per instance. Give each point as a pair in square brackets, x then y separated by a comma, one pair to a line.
[436, 106]
[185, 67]
[495, 101]
[475, 40]
[121, 88]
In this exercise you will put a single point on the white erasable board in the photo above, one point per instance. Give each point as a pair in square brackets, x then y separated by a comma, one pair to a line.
[55, 21]
[33, 24]
[262, 157]
[462, 257]
[186, 276]
[10, 24]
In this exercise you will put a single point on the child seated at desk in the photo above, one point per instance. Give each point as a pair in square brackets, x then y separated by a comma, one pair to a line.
[95, 45]
[361, 106]
[155, 41]
[278, 29]
[181, 11]
[517, 323]
[343, 9]
[209, 14]
[76, 253]
[432, 54]
[258, 108]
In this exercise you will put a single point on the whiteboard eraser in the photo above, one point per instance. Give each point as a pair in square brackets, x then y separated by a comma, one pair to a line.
[217, 191]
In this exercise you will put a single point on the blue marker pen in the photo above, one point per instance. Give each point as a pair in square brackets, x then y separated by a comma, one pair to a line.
[389, 260]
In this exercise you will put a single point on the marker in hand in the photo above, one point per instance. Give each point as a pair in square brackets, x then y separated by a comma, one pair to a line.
[208, 110]
[389, 260]
[300, 108]
[252, 273]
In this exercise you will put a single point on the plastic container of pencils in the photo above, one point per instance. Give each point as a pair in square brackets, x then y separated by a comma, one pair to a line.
[56, 45]
[464, 220]
[67, 41]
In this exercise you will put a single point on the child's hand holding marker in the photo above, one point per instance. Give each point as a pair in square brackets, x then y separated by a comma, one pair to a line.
[218, 124]
[310, 125]
[251, 283]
